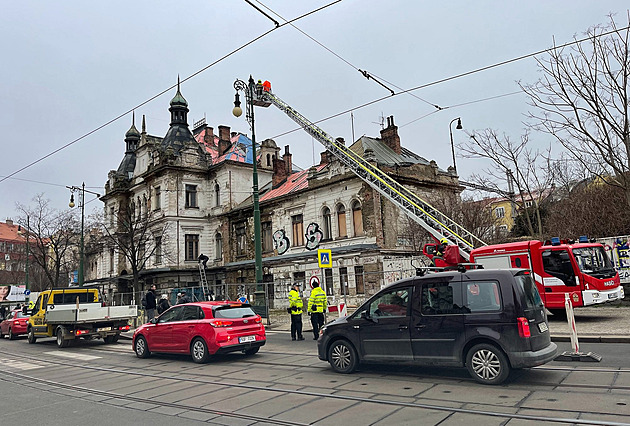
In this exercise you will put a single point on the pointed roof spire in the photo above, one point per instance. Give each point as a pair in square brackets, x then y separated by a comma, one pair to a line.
[144, 125]
[132, 133]
[178, 100]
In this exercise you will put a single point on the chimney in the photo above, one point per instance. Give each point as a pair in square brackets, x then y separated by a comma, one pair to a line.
[279, 172]
[340, 141]
[9, 222]
[208, 138]
[287, 159]
[224, 139]
[389, 135]
[324, 158]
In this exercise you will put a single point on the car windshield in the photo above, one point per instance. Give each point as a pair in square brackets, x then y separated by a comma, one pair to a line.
[19, 314]
[592, 259]
[532, 297]
[233, 312]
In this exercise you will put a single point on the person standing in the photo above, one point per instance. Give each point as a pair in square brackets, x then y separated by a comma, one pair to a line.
[317, 305]
[184, 298]
[151, 303]
[163, 304]
[295, 307]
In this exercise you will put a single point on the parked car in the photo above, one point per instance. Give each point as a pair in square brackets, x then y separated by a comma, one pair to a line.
[490, 321]
[202, 329]
[14, 325]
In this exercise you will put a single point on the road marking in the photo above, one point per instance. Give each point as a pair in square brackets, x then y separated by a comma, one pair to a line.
[20, 365]
[73, 355]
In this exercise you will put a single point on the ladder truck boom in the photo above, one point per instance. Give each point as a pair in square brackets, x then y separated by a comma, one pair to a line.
[431, 219]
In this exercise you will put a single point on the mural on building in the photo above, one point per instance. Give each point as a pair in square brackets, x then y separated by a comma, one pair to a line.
[313, 236]
[281, 241]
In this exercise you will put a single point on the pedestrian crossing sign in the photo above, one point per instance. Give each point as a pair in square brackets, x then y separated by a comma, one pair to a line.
[324, 258]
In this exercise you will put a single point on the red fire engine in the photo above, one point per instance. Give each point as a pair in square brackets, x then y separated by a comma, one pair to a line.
[581, 269]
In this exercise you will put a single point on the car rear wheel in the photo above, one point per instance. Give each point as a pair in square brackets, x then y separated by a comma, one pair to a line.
[141, 348]
[199, 351]
[342, 357]
[61, 342]
[11, 335]
[251, 351]
[31, 336]
[487, 364]
[1, 334]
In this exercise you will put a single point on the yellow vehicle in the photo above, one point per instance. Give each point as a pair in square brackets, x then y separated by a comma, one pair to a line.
[73, 313]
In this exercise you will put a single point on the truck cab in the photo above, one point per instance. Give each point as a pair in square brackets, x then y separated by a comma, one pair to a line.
[581, 269]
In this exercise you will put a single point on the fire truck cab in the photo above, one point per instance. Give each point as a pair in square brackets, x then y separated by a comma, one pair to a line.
[581, 269]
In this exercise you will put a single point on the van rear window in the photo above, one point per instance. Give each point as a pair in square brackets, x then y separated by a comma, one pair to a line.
[528, 287]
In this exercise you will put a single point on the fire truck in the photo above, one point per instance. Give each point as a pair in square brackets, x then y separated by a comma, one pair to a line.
[581, 268]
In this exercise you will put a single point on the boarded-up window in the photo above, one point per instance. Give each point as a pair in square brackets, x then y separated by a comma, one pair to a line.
[298, 230]
[341, 221]
[357, 219]
[358, 279]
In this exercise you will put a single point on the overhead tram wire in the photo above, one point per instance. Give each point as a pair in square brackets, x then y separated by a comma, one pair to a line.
[255, 39]
[457, 76]
[364, 73]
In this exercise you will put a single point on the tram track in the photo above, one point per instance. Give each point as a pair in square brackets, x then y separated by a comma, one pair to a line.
[205, 379]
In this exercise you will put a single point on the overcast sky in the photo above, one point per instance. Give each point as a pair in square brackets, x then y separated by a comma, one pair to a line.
[69, 67]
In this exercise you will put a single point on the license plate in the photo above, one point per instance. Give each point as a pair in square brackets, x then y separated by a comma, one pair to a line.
[612, 296]
[543, 327]
[246, 339]
[104, 329]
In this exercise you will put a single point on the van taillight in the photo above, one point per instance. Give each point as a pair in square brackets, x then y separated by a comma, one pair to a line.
[124, 327]
[523, 327]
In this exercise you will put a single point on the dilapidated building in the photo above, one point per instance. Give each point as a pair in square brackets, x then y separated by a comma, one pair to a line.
[194, 190]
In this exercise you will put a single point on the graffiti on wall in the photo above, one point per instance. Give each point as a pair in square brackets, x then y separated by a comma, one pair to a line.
[313, 236]
[281, 241]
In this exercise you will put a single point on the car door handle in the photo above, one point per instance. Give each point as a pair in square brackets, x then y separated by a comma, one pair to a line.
[420, 326]
[403, 327]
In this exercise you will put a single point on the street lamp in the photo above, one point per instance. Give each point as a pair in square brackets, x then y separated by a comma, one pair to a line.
[253, 96]
[71, 204]
[450, 129]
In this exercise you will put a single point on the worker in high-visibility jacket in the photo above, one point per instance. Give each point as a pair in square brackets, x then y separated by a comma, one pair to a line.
[295, 309]
[317, 305]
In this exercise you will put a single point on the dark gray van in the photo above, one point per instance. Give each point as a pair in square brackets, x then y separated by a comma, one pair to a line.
[487, 320]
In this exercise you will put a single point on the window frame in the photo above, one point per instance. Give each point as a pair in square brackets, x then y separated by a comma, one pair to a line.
[297, 227]
[191, 252]
[191, 196]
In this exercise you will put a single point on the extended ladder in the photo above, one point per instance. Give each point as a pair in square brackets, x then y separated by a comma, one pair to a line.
[435, 222]
[204, 281]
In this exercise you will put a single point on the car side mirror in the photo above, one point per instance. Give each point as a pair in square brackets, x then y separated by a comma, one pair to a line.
[153, 321]
[366, 316]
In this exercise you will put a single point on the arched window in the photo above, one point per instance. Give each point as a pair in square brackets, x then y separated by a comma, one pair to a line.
[139, 209]
[269, 159]
[218, 246]
[217, 195]
[341, 221]
[145, 205]
[357, 219]
[327, 224]
[132, 210]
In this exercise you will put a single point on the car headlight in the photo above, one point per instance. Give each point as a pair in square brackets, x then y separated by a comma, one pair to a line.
[322, 330]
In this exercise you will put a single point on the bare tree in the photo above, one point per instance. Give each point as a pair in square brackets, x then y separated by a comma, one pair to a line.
[52, 238]
[583, 101]
[514, 164]
[138, 238]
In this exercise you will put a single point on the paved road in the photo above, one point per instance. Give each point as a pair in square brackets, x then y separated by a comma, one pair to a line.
[285, 383]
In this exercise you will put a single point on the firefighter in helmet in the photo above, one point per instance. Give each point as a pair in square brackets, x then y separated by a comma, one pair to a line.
[441, 247]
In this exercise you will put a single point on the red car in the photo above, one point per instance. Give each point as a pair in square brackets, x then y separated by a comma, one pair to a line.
[14, 325]
[202, 329]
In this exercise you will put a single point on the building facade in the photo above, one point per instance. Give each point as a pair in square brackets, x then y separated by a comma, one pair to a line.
[193, 191]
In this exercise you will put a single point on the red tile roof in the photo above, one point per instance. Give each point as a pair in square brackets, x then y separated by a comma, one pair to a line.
[10, 233]
[295, 182]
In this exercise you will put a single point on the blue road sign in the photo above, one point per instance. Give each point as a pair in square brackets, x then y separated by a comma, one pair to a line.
[242, 299]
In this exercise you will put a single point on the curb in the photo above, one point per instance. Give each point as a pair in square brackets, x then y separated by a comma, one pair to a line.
[593, 339]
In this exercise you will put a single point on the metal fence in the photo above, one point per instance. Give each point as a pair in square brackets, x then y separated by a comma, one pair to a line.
[268, 297]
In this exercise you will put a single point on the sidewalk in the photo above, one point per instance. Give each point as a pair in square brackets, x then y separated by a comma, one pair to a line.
[602, 324]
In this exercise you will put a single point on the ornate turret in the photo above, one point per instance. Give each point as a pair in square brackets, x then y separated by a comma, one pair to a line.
[128, 163]
[178, 134]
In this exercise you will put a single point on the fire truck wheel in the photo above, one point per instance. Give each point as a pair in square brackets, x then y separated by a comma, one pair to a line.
[487, 364]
